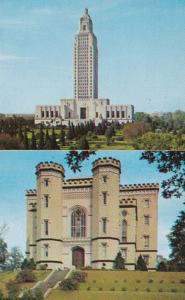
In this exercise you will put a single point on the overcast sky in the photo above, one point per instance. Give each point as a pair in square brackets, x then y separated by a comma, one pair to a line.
[17, 173]
[141, 52]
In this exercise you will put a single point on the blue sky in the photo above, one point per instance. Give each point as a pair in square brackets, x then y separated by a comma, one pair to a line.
[141, 52]
[17, 169]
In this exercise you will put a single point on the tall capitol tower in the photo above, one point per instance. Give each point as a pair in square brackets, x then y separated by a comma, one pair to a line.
[86, 104]
[85, 60]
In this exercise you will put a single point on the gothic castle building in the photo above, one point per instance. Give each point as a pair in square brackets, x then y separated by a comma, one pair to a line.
[85, 105]
[87, 221]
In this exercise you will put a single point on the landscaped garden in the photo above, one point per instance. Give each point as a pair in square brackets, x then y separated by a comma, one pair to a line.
[126, 285]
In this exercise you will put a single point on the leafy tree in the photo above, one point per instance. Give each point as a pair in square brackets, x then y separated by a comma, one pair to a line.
[62, 136]
[25, 140]
[69, 284]
[9, 143]
[141, 264]
[54, 145]
[35, 294]
[28, 264]
[162, 267]
[47, 140]
[135, 130]
[41, 139]
[20, 135]
[76, 158]
[83, 144]
[15, 258]
[3, 251]
[172, 163]
[70, 133]
[177, 242]
[119, 262]
[33, 145]
[109, 133]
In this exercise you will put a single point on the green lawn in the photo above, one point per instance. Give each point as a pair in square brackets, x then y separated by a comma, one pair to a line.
[123, 285]
[6, 276]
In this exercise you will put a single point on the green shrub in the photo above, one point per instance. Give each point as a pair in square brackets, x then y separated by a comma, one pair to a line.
[25, 276]
[160, 290]
[161, 281]
[173, 290]
[138, 281]
[112, 289]
[43, 267]
[148, 290]
[1, 295]
[182, 281]
[94, 281]
[79, 276]
[35, 294]
[124, 289]
[136, 289]
[88, 288]
[150, 281]
[69, 285]
[100, 289]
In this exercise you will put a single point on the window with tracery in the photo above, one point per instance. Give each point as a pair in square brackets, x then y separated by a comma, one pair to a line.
[124, 231]
[78, 223]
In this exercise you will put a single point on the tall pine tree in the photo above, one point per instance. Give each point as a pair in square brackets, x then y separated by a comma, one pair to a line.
[33, 144]
[41, 139]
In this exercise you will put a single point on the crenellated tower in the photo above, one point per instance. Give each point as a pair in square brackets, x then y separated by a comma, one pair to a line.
[105, 211]
[50, 178]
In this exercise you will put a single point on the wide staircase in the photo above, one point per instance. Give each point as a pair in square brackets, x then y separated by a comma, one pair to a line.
[51, 280]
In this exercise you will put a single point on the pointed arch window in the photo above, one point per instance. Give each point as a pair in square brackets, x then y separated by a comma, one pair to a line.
[78, 223]
[124, 231]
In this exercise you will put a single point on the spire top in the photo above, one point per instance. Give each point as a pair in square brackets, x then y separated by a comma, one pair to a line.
[86, 11]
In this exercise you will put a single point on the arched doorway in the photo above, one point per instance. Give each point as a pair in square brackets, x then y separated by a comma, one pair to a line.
[78, 257]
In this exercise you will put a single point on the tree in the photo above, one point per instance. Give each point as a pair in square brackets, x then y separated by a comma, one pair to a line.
[15, 258]
[76, 158]
[177, 242]
[83, 143]
[41, 139]
[62, 136]
[119, 262]
[28, 264]
[33, 145]
[25, 140]
[54, 145]
[3, 251]
[47, 140]
[109, 133]
[162, 267]
[135, 130]
[141, 264]
[172, 163]
[35, 294]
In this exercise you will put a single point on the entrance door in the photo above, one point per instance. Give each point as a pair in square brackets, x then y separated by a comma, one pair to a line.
[82, 113]
[78, 257]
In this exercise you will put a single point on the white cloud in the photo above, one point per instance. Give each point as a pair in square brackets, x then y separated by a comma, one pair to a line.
[11, 57]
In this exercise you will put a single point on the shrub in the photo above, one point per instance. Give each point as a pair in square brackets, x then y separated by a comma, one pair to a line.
[69, 284]
[100, 289]
[173, 290]
[35, 294]
[173, 281]
[94, 281]
[138, 281]
[112, 289]
[160, 290]
[136, 289]
[161, 281]
[115, 281]
[150, 281]
[11, 284]
[1, 295]
[147, 290]
[182, 281]
[43, 267]
[79, 276]
[125, 280]
[124, 289]
[13, 292]
[25, 276]
[88, 288]
[28, 264]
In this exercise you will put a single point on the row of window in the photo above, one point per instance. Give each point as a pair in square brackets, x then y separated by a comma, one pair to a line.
[49, 114]
[115, 114]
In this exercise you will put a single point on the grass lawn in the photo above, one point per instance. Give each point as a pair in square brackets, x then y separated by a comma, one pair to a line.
[6, 276]
[123, 285]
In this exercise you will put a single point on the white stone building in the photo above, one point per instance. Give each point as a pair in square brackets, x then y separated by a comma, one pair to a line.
[85, 105]
[86, 221]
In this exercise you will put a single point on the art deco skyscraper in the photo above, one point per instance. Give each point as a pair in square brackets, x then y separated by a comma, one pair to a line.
[85, 60]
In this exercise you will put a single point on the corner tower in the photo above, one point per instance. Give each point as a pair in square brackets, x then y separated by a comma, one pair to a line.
[50, 178]
[85, 60]
[105, 212]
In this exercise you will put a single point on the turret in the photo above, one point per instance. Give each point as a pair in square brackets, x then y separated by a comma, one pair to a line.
[105, 211]
[50, 178]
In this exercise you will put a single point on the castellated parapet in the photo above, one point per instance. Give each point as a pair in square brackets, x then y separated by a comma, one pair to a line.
[85, 221]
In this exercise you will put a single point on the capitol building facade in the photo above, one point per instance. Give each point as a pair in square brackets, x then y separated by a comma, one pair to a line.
[85, 105]
[87, 221]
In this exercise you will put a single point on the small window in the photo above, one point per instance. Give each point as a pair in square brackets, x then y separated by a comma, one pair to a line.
[52, 114]
[69, 115]
[124, 253]
[104, 225]
[42, 114]
[124, 231]
[104, 178]
[146, 220]
[104, 194]
[104, 249]
[46, 182]
[146, 241]
[47, 114]
[117, 114]
[46, 248]
[46, 201]
[56, 114]
[146, 259]
[46, 231]
[112, 114]
[123, 114]
[147, 203]
[84, 27]
[96, 114]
